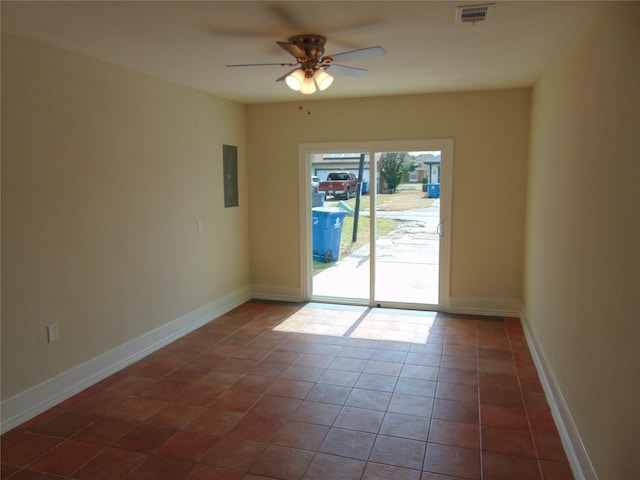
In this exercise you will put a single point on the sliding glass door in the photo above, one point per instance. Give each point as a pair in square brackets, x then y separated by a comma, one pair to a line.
[341, 227]
[386, 242]
[407, 245]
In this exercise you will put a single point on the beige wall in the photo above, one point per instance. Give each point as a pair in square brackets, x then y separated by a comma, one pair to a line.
[104, 175]
[490, 130]
[583, 234]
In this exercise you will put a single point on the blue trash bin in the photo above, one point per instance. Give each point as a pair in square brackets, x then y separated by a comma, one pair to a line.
[434, 190]
[327, 230]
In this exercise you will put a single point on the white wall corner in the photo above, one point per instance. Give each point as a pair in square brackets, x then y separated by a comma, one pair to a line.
[26, 405]
[570, 436]
[280, 294]
[502, 307]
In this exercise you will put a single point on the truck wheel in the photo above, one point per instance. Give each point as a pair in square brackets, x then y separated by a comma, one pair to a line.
[347, 195]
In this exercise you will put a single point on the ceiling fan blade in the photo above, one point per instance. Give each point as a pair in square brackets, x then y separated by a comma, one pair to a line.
[262, 65]
[285, 16]
[357, 54]
[344, 70]
[292, 49]
[235, 32]
[285, 75]
[354, 26]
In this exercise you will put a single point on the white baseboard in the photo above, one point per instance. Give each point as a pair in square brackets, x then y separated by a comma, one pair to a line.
[279, 294]
[28, 404]
[570, 436]
[501, 307]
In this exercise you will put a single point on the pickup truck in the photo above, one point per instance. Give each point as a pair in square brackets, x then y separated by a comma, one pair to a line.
[339, 184]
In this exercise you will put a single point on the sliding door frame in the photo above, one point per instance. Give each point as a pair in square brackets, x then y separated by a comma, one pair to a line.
[445, 146]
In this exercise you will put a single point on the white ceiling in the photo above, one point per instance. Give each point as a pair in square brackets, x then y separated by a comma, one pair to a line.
[191, 43]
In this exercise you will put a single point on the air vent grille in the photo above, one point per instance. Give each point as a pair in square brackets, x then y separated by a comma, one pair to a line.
[472, 13]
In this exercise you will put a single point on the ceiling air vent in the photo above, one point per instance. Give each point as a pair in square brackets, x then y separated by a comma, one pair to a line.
[472, 13]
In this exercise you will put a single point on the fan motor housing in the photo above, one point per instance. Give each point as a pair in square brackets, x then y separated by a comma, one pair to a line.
[312, 44]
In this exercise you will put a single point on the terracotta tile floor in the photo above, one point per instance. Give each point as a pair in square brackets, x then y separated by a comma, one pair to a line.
[281, 391]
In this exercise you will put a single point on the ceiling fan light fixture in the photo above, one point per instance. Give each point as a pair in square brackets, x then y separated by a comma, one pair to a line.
[308, 85]
[309, 74]
[295, 80]
[323, 79]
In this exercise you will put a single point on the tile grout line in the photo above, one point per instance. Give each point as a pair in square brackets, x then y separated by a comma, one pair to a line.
[450, 333]
[524, 405]
[479, 407]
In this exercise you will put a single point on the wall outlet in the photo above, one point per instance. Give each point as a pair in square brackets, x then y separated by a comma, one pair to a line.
[200, 225]
[52, 332]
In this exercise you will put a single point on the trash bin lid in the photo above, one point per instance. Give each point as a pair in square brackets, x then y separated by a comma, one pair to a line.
[327, 210]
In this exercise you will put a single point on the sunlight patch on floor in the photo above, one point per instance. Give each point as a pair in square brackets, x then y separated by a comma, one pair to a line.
[360, 322]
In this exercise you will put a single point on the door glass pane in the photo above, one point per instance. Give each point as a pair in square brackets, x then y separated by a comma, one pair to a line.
[340, 225]
[407, 216]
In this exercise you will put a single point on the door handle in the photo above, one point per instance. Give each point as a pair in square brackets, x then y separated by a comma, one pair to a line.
[439, 229]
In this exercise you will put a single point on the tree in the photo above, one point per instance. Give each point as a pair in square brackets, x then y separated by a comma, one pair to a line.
[393, 166]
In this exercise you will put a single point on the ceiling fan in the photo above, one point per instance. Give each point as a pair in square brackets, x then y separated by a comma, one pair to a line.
[311, 64]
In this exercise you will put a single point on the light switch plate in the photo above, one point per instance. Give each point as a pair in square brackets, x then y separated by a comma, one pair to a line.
[52, 332]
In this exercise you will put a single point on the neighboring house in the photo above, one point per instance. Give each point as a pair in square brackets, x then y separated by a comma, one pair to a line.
[322, 164]
[429, 167]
